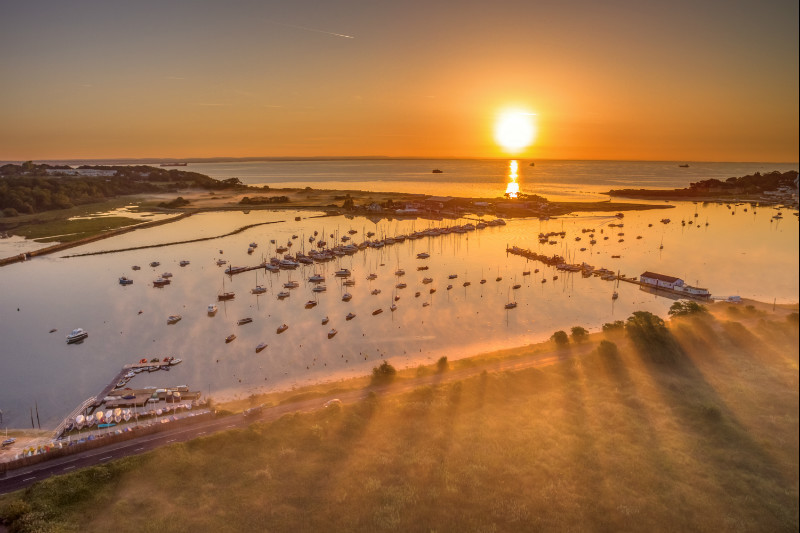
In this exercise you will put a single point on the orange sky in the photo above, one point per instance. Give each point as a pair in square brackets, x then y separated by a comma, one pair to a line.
[711, 82]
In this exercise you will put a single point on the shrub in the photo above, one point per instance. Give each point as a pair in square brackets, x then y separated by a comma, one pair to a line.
[383, 373]
[607, 349]
[686, 308]
[560, 337]
[579, 334]
[10, 212]
[651, 336]
[442, 365]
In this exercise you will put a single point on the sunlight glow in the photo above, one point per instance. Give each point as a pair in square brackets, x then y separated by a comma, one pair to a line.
[514, 130]
[512, 189]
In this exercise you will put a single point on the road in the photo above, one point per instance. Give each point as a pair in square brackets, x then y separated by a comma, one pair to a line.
[24, 477]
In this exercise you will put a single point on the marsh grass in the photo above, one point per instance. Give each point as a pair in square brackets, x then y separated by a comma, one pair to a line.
[596, 443]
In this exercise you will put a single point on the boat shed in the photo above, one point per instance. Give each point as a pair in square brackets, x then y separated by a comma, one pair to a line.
[660, 280]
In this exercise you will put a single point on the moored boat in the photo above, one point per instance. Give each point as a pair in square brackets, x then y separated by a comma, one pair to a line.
[77, 335]
[282, 328]
[260, 347]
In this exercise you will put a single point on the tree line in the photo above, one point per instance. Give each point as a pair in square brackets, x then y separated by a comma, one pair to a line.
[32, 188]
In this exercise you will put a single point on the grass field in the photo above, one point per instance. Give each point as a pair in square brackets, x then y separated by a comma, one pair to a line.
[619, 440]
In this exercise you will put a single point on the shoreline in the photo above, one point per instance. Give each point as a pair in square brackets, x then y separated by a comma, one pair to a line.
[477, 357]
[220, 201]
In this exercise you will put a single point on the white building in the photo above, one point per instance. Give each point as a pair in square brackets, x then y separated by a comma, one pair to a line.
[661, 281]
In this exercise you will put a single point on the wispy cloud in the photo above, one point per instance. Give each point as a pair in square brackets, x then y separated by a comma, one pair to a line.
[304, 28]
[211, 104]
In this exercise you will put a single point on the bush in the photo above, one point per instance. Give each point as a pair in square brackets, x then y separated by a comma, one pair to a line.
[617, 325]
[383, 373]
[686, 308]
[442, 365]
[607, 349]
[560, 337]
[650, 335]
[579, 334]
[10, 212]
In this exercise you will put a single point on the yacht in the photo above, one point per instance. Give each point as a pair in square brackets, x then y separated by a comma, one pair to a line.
[174, 319]
[291, 285]
[166, 275]
[467, 284]
[136, 267]
[77, 335]
[399, 272]
[516, 286]
[342, 273]
[349, 282]
[423, 255]
[331, 333]
[243, 321]
[350, 316]
[452, 276]
[325, 320]
[230, 338]
[154, 264]
[221, 262]
[401, 286]
[258, 289]
[125, 281]
[427, 280]
[260, 347]
[316, 278]
[160, 282]
[282, 295]
[376, 292]
[346, 297]
[310, 304]
[212, 309]
[377, 311]
[282, 328]
[319, 288]
[184, 263]
[511, 305]
[372, 276]
[226, 296]
[449, 287]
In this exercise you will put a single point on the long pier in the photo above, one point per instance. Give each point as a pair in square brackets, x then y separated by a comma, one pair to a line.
[121, 377]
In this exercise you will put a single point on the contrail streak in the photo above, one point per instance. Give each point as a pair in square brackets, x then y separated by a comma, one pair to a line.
[315, 30]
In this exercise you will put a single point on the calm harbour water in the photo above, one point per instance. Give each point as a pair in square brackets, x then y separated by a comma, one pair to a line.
[748, 253]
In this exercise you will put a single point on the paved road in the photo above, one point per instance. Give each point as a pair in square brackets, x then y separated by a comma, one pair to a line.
[24, 477]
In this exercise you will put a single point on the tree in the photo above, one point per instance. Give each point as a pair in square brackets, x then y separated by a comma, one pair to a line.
[383, 373]
[579, 334]
[650, 335]
[686, 308]
[560, 337]
[441, 364]
[607, 349]
[617, 325]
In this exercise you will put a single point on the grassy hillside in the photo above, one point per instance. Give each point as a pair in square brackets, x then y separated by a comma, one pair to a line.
[700, 434]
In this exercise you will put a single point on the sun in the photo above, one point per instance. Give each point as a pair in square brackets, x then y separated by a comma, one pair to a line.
[514, 130]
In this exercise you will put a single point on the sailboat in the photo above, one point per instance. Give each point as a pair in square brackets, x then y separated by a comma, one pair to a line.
[615, 294]
[225, 295]
[258, 289]
[510, 305]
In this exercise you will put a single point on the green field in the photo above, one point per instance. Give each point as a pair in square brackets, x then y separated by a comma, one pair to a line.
[698, 434]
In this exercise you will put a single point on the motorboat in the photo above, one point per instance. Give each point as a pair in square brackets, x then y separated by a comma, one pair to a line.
[423, 255]
[452, 276]
[416, 294]
[377, 311]
[349, 282]
[427, 280]
[319, 288]
[221, 262]
[432, 290]
[310, 304]
[226, 296]
[449, 287]
[230, 338]
[467, 284]
[77, 335]
[184, 263]
[375, 292]
[332, 333]
[291, 285]
[399, 272]
[125, 281]
[260, 347]
[511, 305]
[161, 282]
[316, 278]
[393, 307]
[174, 319]
[282, 295]
[401, 286]
[243, 321]
[425, 304]
[282, 328]
[212, 309]
[423, 267]
[136, 267]
[372, 277]
[350, 316]
[166, 275]
[325, 320]
[154, 264]
[516, 286]
[258, 289]
[346, 297]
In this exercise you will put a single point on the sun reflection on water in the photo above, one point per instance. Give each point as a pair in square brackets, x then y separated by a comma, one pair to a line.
[512, 189]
